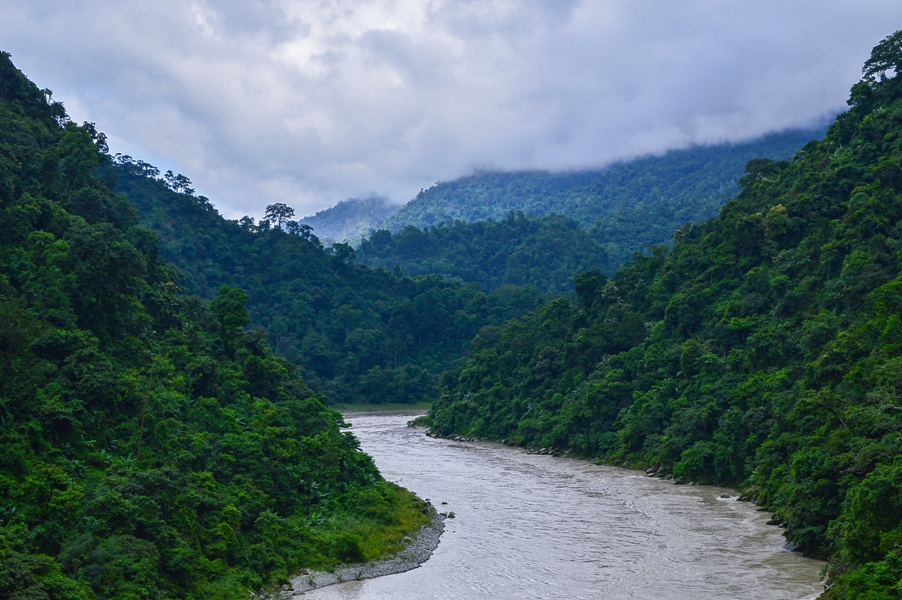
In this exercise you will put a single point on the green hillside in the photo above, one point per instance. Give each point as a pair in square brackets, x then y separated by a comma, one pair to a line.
[764, 350]
[150, 445]
[358, 335]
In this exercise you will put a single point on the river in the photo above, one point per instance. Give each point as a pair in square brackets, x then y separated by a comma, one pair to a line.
[534, 526]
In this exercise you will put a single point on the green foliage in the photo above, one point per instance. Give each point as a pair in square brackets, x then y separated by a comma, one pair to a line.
[359, 335]
[150, 446]
[513, 251]
[763, 350]
[885, 57]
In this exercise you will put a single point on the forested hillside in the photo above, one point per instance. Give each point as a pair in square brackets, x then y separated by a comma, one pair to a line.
[150, 446]
[543, 252]
[358, 334]
[764, 350]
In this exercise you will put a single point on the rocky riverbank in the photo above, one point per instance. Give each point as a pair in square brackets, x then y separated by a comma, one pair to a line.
[417, 551]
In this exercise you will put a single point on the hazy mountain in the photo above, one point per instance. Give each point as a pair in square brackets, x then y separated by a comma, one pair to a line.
[350, 220]
[694, 182]
[579, 221]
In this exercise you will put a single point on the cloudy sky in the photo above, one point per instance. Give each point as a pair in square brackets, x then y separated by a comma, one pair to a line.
[309, 102]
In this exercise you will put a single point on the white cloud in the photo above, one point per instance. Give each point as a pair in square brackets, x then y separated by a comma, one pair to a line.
[311, 101]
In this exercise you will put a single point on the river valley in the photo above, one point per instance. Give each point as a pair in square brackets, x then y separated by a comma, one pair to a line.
[535, 526]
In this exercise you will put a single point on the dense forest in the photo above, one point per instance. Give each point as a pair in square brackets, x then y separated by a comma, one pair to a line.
[764, 350]
[357, 334]
[150, 445]
[543, 252]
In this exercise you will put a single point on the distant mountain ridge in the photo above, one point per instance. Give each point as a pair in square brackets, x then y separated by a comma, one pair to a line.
[350, 220]
[694, 182]
[573, 222]
[680, 186]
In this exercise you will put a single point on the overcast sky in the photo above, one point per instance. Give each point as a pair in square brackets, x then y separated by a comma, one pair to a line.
[309, 102]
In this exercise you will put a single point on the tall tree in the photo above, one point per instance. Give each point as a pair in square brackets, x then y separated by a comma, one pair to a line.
[278, 213]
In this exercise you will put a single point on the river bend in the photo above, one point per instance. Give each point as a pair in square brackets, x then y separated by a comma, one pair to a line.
[533, 526]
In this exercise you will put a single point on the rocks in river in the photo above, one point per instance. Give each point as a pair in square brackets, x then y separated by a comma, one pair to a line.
[774, 522]
[545, 451]
[451, 514]
[749, 494]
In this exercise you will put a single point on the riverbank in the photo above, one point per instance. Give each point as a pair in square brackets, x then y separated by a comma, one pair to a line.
[417, 551]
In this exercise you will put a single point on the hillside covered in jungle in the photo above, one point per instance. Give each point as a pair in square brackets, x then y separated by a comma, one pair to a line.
[151, 445]
[763, 350]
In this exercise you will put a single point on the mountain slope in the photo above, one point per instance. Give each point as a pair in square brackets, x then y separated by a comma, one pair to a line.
[763, 350]
[611, 215]
[150, 446]
[358, 334]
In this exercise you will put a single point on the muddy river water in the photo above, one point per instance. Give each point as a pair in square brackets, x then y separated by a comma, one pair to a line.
[534, 526]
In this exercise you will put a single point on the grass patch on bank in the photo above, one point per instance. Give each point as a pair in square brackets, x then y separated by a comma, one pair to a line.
[384, 516]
